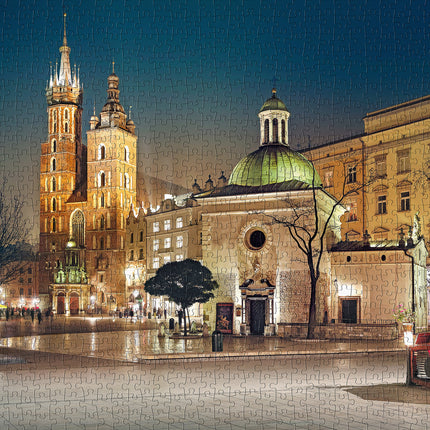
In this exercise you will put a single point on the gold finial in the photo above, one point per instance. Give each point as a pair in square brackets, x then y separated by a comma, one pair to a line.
[129, 112]
[64, 38]
[113, 66]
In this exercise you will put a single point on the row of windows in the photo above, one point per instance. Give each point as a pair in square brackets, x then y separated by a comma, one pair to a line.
[381, 205]
[55, 122]
[53, 184]
[168, 243]
[380, 168]
[124, 180]
[167, 224]
[141, 255]
[141, 237]
[275, 132]
[105, 243]
[101, 153]
[166, 259]
[405, 203]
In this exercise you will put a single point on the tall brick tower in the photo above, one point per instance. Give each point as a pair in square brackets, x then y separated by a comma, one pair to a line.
[111, 193]
[62, 165]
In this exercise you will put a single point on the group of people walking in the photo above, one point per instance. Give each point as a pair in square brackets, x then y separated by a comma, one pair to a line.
[23, 313]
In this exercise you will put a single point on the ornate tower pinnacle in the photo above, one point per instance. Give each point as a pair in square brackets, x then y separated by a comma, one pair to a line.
[65, 77]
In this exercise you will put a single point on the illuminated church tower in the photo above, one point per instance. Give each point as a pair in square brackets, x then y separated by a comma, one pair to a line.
[111, 194]
[62, 162]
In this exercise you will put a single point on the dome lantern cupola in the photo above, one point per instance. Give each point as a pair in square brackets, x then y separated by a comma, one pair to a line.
[273, 122]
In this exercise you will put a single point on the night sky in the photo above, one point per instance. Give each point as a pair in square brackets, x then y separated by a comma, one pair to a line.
[197, 72]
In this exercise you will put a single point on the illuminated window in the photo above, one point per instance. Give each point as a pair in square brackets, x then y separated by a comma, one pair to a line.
[328, 178]
[102, 152]
[167, 224]
[166, 259]
[179, 257]
[156, 245]
[155, 263]
[179, 222]
[167, 243]
[179, 242]
[156, 227]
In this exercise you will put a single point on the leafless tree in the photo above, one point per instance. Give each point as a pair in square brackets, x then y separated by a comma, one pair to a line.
[14, 230]
[308, 227]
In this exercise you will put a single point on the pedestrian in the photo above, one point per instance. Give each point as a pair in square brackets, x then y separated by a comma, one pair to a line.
[165, 313]
[180, 315]
[39, 316]
[32, 314]
[7, 314]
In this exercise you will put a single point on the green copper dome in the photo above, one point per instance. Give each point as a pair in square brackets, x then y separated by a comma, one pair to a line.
[273, 164]
[273, 103]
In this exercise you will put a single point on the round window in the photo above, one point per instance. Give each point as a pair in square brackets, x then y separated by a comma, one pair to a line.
[255, 239]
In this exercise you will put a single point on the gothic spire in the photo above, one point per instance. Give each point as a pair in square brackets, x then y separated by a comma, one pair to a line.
[65, 77]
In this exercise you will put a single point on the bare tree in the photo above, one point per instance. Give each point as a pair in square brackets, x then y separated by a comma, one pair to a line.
[14, 230]
[308, 227]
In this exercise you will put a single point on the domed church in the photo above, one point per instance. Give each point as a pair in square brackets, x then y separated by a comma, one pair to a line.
[264, 277]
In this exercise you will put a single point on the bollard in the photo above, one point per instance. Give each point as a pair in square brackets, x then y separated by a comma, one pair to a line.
[217, 341]
[171, 324]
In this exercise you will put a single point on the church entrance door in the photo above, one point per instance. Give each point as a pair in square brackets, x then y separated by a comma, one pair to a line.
[60, 305]
[74, 305]
[257, 316]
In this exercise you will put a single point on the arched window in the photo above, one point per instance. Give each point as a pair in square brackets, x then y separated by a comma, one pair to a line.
[131, 237]
[275, 130]
[102, 179]
[126, 154]
[46, 184]
[54, 120]
[102, 243]
[66, 120]
[78, 227]
[102, 201]
[54, 225]
[126, 181]
[54, 204]
[141, 236]
[108, 242]
[102, 223]
[283, 130]
[53, 165]
[266, 131]
[102, 152]
[53, 185]
[54, 145]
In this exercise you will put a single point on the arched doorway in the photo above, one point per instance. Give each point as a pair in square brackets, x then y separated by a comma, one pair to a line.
[74, 303]
[60, 303]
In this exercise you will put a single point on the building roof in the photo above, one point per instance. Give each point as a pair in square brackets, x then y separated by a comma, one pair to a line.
[233, 190]
[274, 164]
[273, 103]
